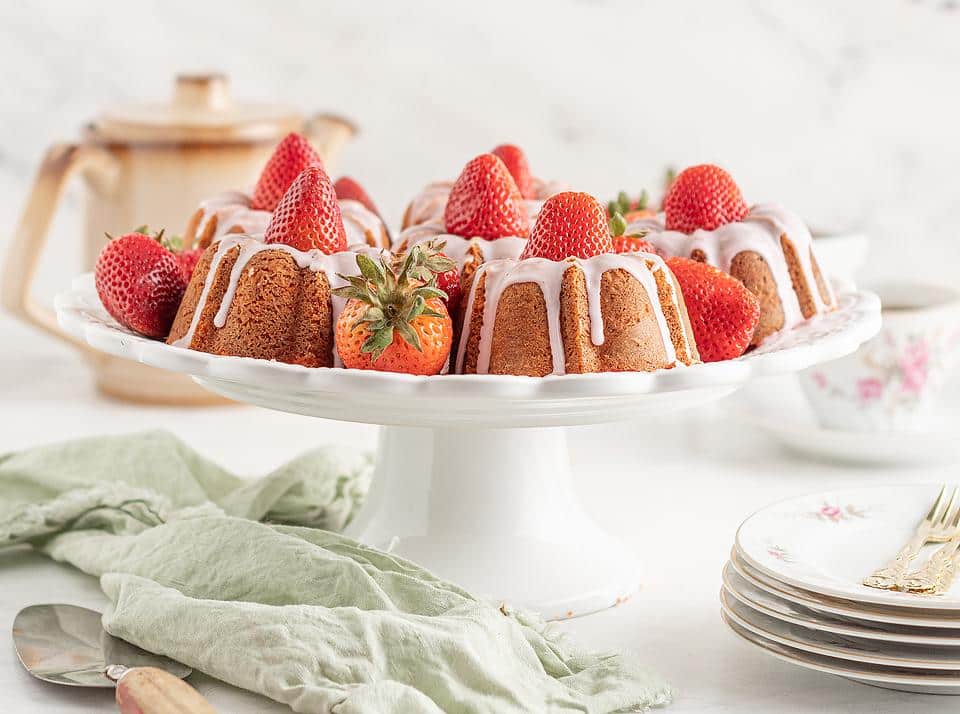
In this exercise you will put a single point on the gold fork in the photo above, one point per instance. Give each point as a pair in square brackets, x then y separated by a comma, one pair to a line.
[935, 576]
[932, 529]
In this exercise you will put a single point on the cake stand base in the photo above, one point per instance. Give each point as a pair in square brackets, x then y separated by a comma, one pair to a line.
[494, 510]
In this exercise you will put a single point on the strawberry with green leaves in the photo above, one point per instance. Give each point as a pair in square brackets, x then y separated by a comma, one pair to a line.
[624, 242]
[395, 319]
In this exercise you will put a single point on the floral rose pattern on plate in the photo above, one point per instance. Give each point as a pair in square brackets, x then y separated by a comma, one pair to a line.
[835, 513]
[779, 553]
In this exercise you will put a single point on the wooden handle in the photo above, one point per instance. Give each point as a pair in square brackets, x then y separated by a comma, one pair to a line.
[148, 690]
[59, 164]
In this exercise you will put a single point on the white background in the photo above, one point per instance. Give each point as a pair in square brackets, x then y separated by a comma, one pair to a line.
[847, 111]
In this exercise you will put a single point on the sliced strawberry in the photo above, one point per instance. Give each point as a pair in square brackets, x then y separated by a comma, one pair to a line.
[570, 224]
[288, 161]
[723, 313]
[308, 215]
[703, 197]
[348, 189]
[516, 162]
[485, 202]
[140, 283]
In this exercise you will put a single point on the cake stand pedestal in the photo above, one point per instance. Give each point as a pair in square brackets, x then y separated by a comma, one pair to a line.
[495, 510]
[473, 478]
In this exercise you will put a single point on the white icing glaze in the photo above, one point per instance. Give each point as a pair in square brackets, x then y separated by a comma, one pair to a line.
[428, 205]
[760, 232]
[457, 248]
[344, 263]
[548, 275]
[232, 209]
[359, 222]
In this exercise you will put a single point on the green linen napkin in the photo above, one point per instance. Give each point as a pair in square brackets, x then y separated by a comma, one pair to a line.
[238, 578]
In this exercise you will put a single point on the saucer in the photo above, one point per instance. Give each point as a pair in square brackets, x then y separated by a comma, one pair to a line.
[801, 434]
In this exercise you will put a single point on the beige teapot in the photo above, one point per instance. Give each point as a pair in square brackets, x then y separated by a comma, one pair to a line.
[152, 164]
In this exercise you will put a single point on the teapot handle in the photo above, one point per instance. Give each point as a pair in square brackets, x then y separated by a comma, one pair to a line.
[60, 163]
[328, 133]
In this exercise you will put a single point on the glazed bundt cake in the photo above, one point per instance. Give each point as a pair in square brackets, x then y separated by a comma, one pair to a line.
[270, 297]
[766, 247]
[429, 205]
[569, 304]
[483, 218]
[606, 313]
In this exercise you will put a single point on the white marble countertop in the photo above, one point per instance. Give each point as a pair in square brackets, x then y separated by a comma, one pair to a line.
[634, 477]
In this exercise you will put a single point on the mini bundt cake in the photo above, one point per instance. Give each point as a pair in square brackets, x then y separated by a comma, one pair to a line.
[270, 297]
[483, 218]
[429, 205]
[569, 304]
[605, 313]
[766, 247]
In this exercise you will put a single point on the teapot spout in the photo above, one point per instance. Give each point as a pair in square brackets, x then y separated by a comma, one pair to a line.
[328, 133]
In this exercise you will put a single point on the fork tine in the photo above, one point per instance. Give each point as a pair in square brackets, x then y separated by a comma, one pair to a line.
[933, 515]
[952, 510]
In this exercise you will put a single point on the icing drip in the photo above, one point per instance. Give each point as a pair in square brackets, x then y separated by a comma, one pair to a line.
[344, 263]
[457, 248]
[760, 232]
[232, 210]
[548, 276]
[360, 223]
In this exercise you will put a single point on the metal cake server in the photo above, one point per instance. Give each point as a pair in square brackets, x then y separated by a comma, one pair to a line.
[66, 644]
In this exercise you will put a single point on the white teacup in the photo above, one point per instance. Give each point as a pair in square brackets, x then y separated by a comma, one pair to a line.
[892, 382]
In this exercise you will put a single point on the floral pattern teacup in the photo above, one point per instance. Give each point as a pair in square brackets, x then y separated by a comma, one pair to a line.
[891, 382]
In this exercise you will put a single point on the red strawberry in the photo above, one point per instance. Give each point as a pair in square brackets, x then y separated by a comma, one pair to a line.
[516, 162]
[634, 243]
[723, 313]
[289, 159]
[703, 196]
[140, 283]
[449, 282]
[569, 224]
[188, 260]
[485, 202]
[348, 189]
[308, 215]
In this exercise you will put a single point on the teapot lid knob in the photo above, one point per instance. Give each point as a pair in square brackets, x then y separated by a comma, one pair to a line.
[199, 92]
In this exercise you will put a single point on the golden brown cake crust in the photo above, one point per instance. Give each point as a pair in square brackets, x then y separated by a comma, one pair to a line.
[279, 311]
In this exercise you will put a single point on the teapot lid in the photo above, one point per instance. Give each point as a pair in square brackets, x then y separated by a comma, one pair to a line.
[201, 111]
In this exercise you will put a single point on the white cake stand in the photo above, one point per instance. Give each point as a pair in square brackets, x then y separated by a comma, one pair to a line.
[473, 477]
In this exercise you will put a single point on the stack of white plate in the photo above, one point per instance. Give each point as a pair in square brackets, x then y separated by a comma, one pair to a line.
[792, 588]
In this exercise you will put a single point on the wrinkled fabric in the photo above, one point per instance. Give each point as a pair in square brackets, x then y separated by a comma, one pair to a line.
[246, 581]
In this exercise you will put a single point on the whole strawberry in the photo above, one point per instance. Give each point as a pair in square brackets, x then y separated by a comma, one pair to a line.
[516, 162]
[449, 282]
[485, 202]
[570, 224]
[348, 189]
[394, 320]
[703, 197]
[288, 161]
[140, 283]
[723, 313]
[308, 216]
